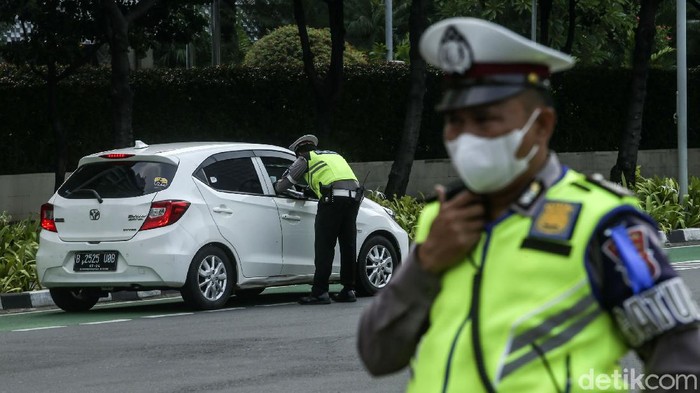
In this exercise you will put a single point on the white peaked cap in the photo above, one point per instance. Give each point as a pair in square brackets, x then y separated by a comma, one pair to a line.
[477, 55]
[306, 139]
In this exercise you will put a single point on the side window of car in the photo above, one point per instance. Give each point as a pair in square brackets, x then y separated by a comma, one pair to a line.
[233, 175]
[276, 166]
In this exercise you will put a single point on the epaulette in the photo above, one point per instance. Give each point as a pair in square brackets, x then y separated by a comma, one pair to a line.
[611, 187]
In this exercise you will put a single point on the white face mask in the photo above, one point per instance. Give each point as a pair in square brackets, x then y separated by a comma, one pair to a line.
[489, 164]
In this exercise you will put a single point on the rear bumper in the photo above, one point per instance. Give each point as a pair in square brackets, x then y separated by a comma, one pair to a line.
[154, 258]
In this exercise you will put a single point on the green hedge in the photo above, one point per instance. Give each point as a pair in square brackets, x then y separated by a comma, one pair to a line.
[276, 105]
[18, 247]
[657, 196]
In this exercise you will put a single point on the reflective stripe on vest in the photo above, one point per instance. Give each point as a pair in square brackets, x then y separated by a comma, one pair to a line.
[516, 319]
[326, 167]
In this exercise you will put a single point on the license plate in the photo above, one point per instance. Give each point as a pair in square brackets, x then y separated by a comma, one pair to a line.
[98, 261]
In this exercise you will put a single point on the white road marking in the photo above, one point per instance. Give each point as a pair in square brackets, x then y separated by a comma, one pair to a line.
[38, 328]
[226, 309]
[168, 315]
[26, 312]
[103, 322]
[686, 265]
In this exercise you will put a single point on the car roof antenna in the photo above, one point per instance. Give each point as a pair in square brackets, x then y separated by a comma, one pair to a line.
[139, 144]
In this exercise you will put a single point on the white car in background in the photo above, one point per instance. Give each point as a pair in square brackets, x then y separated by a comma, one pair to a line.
[202, 218]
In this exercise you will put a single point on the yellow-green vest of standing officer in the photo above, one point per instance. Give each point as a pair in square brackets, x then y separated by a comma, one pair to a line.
[521, 317]
[326, 167]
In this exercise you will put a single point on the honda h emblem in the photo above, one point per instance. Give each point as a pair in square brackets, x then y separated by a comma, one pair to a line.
[94, 214]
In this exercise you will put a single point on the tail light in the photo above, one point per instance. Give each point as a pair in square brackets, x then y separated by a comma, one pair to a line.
[116, 155]
[164, 213]
[47, 221]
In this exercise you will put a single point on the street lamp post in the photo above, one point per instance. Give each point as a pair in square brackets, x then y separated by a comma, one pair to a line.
[533, 22]
[215, 28]
[682, 99]
[388, 30]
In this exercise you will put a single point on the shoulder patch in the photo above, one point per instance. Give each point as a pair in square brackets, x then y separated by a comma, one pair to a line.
[609, 186]
[642, 240]
[555, 220]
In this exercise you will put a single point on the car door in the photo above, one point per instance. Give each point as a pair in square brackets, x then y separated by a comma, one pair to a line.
[297, 217]
[244, 215]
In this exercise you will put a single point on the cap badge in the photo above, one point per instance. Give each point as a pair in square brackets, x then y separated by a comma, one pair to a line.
[454, 55]
[533, 78]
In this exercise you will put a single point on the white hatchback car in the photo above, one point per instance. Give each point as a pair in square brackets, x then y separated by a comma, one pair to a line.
[202, 218]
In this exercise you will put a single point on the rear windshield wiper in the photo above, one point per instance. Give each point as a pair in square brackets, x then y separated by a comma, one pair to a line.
[90, 190]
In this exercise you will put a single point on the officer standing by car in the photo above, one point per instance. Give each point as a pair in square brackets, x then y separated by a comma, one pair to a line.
[530, 277]
[333, 182]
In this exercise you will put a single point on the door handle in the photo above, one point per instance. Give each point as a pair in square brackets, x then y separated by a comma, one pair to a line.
[290, 217]
[222, 210]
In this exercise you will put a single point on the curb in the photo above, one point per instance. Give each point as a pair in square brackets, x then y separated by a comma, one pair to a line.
[683, 235]
[42, 298]
[664, 238]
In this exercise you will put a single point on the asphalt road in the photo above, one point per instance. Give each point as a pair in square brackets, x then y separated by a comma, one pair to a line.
[270, 344]
[267, 345]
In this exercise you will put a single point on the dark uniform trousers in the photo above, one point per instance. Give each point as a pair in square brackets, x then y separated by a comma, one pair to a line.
[335, 220]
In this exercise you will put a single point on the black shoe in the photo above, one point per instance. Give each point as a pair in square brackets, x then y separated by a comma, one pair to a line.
[320, 299]
[345, 296]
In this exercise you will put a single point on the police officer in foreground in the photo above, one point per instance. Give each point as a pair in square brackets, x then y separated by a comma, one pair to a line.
[332, 180]
[530, 277]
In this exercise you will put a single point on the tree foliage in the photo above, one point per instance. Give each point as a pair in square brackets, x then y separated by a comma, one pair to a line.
[56, 39]
[282, 48]
[601, 32]
[54, 34]
[365, 22]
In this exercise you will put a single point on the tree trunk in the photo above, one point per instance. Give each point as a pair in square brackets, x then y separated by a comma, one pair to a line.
[120, 91]
[237, 55]
[401, 167]
[545, 12]
[117, 32]
[56, 126]
[326, 90]
[571, 30]
[335, 71]
[632, 134]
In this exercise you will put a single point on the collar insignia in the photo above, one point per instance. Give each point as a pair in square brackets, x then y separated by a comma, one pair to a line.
[530, 195]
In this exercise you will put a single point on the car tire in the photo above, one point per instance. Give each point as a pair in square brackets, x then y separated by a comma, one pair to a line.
[250, 293]
[75, 299]
[210, 280]
[375, 265]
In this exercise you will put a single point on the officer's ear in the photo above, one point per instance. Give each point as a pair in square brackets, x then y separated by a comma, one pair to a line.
[545, 124]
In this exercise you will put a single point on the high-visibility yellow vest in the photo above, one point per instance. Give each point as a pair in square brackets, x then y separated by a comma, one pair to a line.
[519, 315]
[326, 167]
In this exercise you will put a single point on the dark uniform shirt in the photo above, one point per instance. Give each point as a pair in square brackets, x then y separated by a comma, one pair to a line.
[295, 174]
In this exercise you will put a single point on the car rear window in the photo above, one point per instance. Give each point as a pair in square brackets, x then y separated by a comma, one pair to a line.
[118, 179]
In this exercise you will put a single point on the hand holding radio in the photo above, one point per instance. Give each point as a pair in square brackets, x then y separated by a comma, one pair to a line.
[455, 232]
